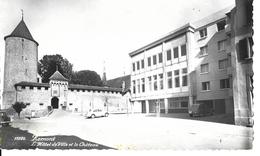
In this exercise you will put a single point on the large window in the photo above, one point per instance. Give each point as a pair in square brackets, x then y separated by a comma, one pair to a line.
[169, 79]
[221, 25]
[177, 78]
[223, 64]
[149, 61]
[142, 64]
[203, 33]
[134, 90]
[203, 50]
[160, 58]
[205, 86]
[175, 52]
[155, 87]
[138, 65]
[183, 50]
[224, 83]
[245, 48]
[184, 77]
[150, 83]
[204, 68]
[169, 54]
[143, 85]
[221, 45]
[154, 60]
[138, 85]
[133, 66]
[161, 81]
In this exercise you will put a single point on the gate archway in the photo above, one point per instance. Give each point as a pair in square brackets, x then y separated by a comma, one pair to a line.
[55, 103]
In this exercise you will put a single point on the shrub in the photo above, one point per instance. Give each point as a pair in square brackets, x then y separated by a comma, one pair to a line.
[18, 107]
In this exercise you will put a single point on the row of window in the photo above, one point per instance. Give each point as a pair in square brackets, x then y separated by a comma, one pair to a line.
[220, 26]
[224, 83]
[221, 47]
[222, 64]
[155, 82]
[153, 60]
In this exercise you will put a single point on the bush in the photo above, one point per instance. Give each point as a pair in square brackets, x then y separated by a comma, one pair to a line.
[18, 107]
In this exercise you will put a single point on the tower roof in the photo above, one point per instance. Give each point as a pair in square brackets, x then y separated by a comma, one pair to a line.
[22, 31]
[58, 76]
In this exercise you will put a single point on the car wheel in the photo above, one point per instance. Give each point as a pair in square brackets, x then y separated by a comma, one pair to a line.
[106, 115]
[93, 116]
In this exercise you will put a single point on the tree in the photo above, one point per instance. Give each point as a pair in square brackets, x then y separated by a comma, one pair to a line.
[18, 107]
[86, 77]
[49, 64]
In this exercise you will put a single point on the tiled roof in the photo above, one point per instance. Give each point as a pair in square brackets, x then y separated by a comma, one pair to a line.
[117, 82]
[22, 31]
[96, 88]
[58, 76]
[32, 84]
[71, 86]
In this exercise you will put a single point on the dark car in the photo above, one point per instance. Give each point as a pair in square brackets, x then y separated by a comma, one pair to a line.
[200, 109]
[4, 118]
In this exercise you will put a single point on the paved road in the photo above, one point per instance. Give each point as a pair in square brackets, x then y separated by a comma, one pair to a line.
[140, 132]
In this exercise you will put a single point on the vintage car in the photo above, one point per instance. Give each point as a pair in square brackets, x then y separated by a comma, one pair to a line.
[96, 113]
[4, 118]
[200, 109]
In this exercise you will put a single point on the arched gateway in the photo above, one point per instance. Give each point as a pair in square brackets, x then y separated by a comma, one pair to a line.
[55, 103]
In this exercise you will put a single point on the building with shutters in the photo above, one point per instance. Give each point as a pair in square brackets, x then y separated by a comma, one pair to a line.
[197, 64]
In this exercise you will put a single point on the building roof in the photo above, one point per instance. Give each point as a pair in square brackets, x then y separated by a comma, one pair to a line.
[32, 84]
[175, 33]
[117, 82]
[71, 86]
[95, 88]
[22, 31]
[58, 76]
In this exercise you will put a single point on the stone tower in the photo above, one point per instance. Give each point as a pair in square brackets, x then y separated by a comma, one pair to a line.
[21, 56]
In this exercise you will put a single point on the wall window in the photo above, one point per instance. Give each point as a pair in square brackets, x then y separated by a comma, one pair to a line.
[154, 60]
[203, 51]
[221, 25]
[245, 48]
[138, 86]
[31, 87]
[161, 81]
[184, 77]
[169, 54]
[204, 68]
[221, 45]
[142, 64]
[203, 33]
[169, 79]
[150, 83]
[133, 66]
[177, 78]
[138, 65]
[183, 50]
[223, 64]
[41, 104]
[155, 87]
[175, 52]
[149, 61]
[134, 90]
[205, 86]
[224, 83]
[143, 85]
[184, 104]
[160, 58]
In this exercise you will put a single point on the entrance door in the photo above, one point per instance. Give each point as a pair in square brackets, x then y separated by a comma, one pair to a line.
[143, 107]
[55, 103]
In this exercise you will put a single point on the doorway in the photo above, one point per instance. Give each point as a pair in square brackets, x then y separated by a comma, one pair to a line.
[55, 103]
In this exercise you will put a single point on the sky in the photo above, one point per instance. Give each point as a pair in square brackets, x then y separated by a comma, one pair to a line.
[93, 34]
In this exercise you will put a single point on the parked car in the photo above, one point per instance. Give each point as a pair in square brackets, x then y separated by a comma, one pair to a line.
[96, 113]
[200, 109]
[4, 118]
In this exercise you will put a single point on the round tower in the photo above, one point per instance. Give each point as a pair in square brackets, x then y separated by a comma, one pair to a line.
[21, 57]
